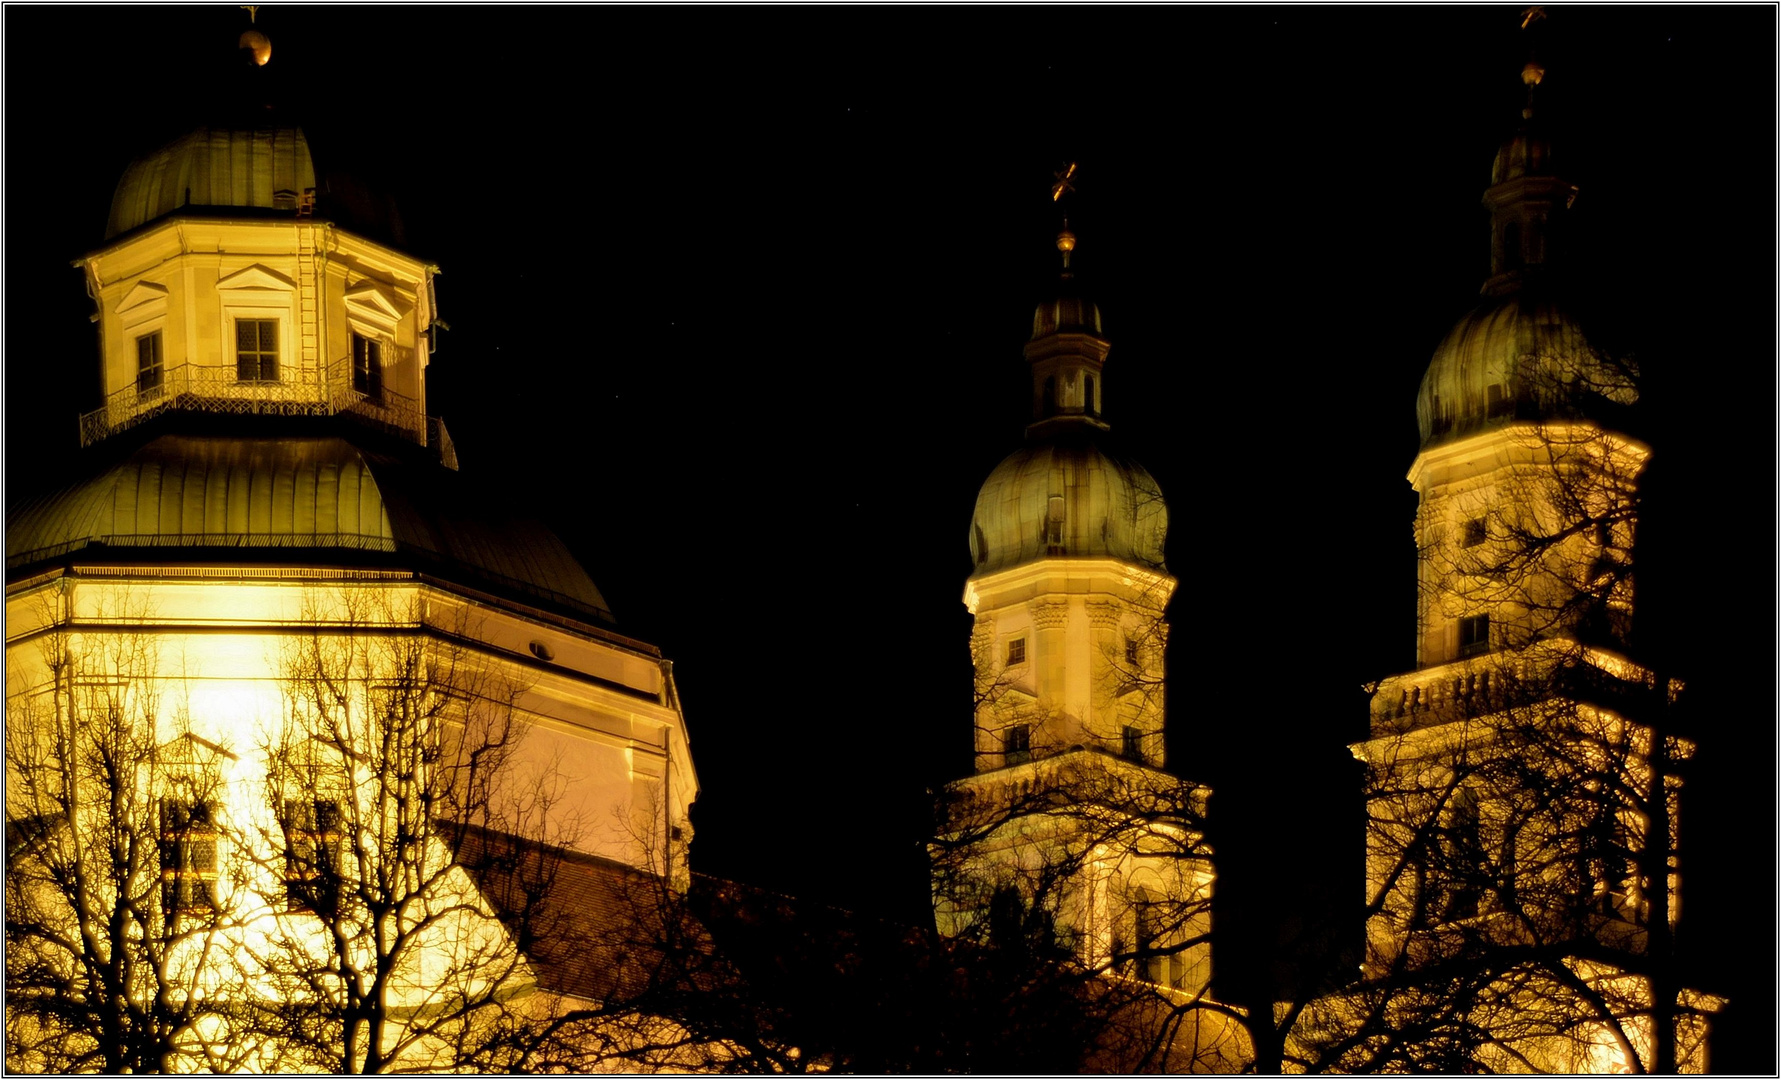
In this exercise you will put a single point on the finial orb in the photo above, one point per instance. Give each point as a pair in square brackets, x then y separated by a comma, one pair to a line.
[1066, 241]
[257, 43]
[1532, 74]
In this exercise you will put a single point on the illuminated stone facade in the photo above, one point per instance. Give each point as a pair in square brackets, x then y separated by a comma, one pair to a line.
[1069, 832]
[262, 562]
[1522, 813]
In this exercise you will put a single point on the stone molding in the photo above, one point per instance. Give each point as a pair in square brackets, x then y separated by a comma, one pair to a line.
[1105, 614]
[1049, 614]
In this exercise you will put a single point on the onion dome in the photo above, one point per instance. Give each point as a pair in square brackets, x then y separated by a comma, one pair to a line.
[1068, 496]
[1519, 355]
[1068, 312]
[320, 499]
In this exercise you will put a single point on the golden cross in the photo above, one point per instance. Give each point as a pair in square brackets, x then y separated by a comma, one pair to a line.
[1532, 15]
[1060, 182]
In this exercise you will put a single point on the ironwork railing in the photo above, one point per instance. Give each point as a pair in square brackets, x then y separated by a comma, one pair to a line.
[303, 392]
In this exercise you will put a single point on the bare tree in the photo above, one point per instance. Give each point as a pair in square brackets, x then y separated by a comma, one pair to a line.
[396, 765]
[116, 919]
[1522, 794]
[1082, 878]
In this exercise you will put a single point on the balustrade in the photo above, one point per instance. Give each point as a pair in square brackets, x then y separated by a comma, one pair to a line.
[298, 392]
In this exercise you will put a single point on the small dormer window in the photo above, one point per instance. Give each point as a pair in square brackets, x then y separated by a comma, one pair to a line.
[367, 366]
[1088, 395]
[256, 350]
[148, 364]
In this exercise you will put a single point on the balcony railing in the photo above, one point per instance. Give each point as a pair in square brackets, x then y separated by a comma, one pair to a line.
[306, 392]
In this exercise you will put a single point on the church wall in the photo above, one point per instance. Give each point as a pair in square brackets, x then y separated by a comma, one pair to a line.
[218, 653]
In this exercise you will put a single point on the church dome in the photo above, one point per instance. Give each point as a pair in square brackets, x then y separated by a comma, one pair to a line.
[1526, 153]
[1068, 496]
[314, 498]
[1516, 356]
[264, 166]
[256, 164]
[1069, 312]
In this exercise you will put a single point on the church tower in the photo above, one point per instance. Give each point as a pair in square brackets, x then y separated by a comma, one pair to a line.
[1068, 831]
[1522, 878]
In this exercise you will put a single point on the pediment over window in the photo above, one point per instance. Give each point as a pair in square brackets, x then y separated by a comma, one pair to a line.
[257, 277]
[375, 302]
[144, 298]
[190, 749]
[1015, 696]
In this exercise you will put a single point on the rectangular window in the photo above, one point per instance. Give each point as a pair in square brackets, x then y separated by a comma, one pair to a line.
[148, 364]
[256, 350]
[367, 367]
[188, 857]
[1473, 534]
[1017, 744]
[1017, 651]
[312, 854]
[1131, 744]
[1131, 651]
[1474, 635]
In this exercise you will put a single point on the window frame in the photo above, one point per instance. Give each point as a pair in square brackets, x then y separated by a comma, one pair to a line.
[1014, 653]
[1158, 960]
[147, 387]
[1017, 744]
[187, 856]
[367, 364]
[276, 352]
[1474, 635]
[313, 828]
[1131, 743]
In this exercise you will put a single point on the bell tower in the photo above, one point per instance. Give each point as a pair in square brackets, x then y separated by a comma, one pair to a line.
[1522, 782]
[1068, 817]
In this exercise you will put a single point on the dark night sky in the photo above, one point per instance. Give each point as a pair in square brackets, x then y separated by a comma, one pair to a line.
[737, 298]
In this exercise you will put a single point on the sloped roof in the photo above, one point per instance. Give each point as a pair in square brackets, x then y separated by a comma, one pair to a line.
[269, 496]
